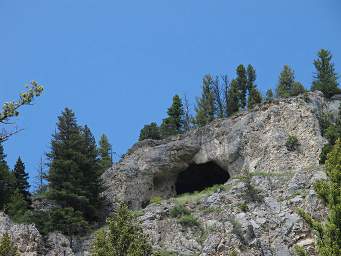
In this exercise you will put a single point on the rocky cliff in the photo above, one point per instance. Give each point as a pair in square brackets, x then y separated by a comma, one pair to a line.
[253, 209]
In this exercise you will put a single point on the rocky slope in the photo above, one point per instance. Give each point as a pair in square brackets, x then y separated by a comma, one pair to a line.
[252, 213]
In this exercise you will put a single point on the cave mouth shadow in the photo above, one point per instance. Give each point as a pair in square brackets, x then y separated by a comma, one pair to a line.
[197, 177]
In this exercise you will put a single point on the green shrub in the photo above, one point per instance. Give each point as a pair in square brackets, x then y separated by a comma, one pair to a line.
[124, 237]
[156, 200]
[292, 143]
[7, 248]
[164, 253]
[189, 220]
[300, 251]
[178, 211]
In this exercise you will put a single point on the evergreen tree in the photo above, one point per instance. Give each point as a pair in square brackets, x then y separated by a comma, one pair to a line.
[74, 170]
[173, 124]
[205, 107]
[329, 231]
[6, 179]
[285, 83]
[105, 153]
[254, 96]
[269, 95]
[150, 131]
[21, 180]
[7, 247]
[124, 237]
[17, 207]
[233, 98]
[219, 90]
[242, 85]
[91, 169]
[325, 79]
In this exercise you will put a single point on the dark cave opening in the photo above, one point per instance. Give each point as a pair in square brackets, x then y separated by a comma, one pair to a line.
[197, 177]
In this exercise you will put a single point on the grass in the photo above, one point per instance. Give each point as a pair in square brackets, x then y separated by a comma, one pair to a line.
[189, 220]
[197, 196]
[156, 200]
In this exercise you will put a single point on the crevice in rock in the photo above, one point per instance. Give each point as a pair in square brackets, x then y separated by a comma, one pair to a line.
[197, 177]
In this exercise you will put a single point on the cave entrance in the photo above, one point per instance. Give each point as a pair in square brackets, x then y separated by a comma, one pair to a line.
[197, 177]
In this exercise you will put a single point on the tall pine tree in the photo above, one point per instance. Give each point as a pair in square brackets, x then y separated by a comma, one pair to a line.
[74, 173]
[287, 86]
[105, 153]
[21, 180]
[173, 124]
[6, 179]
[205, 107]
[150, 131]
[242, 85]
[233, 98]
[254, 96]
[325, 79]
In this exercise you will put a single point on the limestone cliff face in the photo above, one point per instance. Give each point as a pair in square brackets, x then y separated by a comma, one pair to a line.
[253, 141]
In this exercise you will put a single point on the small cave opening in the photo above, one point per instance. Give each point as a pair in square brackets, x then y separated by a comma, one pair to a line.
[197, 177]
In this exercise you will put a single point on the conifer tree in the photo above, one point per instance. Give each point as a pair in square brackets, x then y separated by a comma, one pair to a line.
[124, 237]
[173, 124]
[219, 89]
[17, 207]
[21, 180]
[6, 179]
[329, 231]
[233, 98]
[242, 85]
[105, 153]
[287, 86]
[254, 96]
[188, 118]
[91, 169]
[325, 79]
[74, 172]
[150, 131]
[269, 95]
[205, 107]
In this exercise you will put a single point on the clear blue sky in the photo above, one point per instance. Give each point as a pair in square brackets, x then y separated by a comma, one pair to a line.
[117, 64]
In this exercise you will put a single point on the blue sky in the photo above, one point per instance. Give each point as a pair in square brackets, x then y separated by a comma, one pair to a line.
[117, 64]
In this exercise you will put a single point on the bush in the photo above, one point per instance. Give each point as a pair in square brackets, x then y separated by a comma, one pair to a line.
[300, 251]
[292, 143]
[124, 237]
[7, 248]
[178, 211]
[188, 221]
[244, 207]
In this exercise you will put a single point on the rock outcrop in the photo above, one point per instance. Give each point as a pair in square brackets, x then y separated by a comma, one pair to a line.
[253, 141]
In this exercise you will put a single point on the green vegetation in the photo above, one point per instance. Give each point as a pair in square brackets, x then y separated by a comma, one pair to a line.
[124, 237]
[292, 143]
[287, 86]
[21, 180]
[179, 210]
[189, 221]
[156, 200]
[7, 248]
[325, 79]
[150, 131]
[300, 251]
[105, 153]
[329, 231]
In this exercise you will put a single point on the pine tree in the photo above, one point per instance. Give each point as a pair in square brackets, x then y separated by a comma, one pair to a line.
[254, 96]
[285, 83]
[91, 169]
[242, 85]
[124, 237]
[21, 180]
[329, 231]
[105, 153]
[17, 207]
[205, 107]
[150, 131]
[269, 95]
[7, 247]
[325, 79]
[233, 98]
[74, 171]
[173, 124]
[6, 179]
